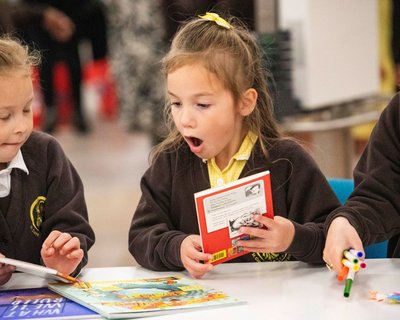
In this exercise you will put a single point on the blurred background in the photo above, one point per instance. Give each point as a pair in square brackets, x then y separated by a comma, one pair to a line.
[334, 66]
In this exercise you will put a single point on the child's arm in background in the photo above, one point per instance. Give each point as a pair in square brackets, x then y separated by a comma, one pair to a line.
[62, 252]
[341, 236]
[372, 210]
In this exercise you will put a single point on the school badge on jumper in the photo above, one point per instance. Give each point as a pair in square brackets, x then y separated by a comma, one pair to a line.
[36, 214]
[270, 256]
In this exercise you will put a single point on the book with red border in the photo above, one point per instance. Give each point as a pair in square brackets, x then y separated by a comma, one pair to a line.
[222, 210]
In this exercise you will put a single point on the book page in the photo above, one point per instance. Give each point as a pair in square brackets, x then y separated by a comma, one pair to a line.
[235, 208]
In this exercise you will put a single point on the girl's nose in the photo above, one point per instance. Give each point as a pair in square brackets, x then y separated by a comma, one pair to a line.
[187, 118]
[21, 125]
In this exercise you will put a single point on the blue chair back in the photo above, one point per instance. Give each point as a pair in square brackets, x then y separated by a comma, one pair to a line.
[343, 188]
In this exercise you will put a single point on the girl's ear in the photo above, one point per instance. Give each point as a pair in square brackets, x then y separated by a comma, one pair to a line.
[249, 100]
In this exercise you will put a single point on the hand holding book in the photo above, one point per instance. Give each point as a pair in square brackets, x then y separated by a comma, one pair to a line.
[231, 213]
[6, 272]
[61, 251]
[276, 235]
[35, 269]
[191, 255]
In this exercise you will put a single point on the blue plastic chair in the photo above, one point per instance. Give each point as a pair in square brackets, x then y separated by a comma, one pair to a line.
[343, 188]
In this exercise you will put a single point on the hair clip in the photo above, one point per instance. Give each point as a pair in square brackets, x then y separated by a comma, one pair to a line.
[210, 16]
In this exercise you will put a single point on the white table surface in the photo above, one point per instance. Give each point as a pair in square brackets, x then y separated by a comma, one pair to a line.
[274, 290]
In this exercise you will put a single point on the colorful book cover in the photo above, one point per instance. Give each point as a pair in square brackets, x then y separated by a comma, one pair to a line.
[144, 297]
[221, 211]
[40, 303]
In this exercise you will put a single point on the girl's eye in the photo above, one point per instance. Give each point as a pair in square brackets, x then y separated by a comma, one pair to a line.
[203, 105]
[175, 104]
[5, 116]
[28, 110]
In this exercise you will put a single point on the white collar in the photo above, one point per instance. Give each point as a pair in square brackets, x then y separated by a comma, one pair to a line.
[5, 174]
[17, 163]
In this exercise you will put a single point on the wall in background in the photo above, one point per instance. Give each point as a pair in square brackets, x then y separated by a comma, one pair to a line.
[335, 49]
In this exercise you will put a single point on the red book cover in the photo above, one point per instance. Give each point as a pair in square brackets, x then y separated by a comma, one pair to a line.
[221, 211]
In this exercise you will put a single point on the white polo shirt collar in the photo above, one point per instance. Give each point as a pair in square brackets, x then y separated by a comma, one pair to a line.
[5, 174]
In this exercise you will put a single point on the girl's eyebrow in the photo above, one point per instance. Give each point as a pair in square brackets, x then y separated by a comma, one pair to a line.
[29, 102]
[171, 94]
[5, 107]
[200, 94]
[11, 107]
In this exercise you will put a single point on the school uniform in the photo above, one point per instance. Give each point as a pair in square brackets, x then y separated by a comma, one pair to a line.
[47, 196]
[374, 206]
[166, 212]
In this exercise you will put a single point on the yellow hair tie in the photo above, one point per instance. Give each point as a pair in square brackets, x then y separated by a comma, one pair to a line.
[210, 16]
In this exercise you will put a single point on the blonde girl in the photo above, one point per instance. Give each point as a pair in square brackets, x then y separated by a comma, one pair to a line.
[43, 215]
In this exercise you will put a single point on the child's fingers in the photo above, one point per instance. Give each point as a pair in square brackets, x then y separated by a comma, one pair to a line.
[191, 248]
[47, 252]
[70, 245]
[51, 238]
[199, 255]
[6, 273]
[255, 232]
[257, 245]
[6, 269]
[75, 254]
[62, 239]
[59, 241]
[267, 222]
[196, 269]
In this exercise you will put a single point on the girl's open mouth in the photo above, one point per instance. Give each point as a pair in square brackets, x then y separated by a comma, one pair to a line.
[196, 141]
[195, 144]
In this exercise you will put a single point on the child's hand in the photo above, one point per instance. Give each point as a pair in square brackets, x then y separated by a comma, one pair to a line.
[57, 24]
[341, 236]
[277, 236]
[62, 252]
[191, 256]
[6, 272]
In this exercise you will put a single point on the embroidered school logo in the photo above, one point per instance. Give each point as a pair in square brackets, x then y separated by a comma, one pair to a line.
[36, 214]
[270, 256]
